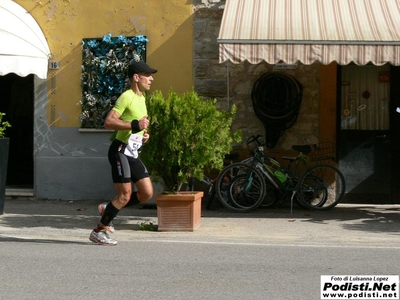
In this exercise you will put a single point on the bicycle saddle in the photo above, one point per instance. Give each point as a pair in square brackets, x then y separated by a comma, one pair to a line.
[302, 148]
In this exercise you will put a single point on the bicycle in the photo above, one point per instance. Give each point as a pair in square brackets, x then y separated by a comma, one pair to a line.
[319, 187]
[210, 195]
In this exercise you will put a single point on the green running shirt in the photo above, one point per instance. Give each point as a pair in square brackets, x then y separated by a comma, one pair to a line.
[131, 107]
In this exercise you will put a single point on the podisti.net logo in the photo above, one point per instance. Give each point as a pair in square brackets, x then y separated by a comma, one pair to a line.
[360, 287]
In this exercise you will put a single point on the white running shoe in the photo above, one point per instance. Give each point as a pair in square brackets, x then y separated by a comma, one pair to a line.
[102, 209]
[102, 238]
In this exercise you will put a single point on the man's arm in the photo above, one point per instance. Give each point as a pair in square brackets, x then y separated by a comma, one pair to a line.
[114, 122]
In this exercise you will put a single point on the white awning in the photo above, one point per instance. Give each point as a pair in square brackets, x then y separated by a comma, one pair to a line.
[359, 31]
[23, 47]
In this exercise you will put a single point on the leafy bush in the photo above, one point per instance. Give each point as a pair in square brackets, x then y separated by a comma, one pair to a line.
[187, 134]
[3, 125]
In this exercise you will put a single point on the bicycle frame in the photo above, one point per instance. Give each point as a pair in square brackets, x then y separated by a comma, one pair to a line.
[257, 161]
[260, 161]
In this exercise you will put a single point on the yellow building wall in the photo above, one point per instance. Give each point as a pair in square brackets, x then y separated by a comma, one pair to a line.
[167, 24]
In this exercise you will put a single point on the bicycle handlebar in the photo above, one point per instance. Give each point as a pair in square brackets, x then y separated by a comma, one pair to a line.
[255, 138]
[298, 148]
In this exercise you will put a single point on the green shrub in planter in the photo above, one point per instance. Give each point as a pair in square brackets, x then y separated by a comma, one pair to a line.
[3, 125]
[187, 134]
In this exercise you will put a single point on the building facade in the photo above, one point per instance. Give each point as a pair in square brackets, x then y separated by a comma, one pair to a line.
[68, 162]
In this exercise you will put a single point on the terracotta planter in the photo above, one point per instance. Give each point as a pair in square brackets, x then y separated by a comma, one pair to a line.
[179, 212]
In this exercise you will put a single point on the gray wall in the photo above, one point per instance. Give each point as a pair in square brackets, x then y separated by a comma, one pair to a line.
[71, 165]
[68, 164]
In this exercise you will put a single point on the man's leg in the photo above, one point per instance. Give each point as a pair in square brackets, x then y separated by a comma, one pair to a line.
[145, 189]
[99, 235]
[124, 191]
[144, 193]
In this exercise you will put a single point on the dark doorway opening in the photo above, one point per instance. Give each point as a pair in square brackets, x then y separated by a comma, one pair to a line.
[369, 133]
[17, 101]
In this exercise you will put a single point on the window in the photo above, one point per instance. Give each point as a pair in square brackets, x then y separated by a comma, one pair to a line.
[104, 74]
[365, 97]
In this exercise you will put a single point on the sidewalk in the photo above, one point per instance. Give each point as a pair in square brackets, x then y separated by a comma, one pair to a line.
[346, 225]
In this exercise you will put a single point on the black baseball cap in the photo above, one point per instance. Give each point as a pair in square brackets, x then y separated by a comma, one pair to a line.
[137, 67]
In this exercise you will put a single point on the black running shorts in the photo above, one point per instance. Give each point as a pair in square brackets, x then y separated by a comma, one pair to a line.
[125, 168]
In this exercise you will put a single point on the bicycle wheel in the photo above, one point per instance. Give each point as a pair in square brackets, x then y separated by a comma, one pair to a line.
[272, 196]
[240, 187]
[321, 187]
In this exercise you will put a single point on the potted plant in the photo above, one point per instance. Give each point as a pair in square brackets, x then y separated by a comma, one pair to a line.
[4, 146]
[187, 135]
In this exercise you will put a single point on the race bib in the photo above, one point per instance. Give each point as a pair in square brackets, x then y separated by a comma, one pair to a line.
[134, 144]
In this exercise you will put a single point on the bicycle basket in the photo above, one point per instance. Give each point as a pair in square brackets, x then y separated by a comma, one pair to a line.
[323, 151]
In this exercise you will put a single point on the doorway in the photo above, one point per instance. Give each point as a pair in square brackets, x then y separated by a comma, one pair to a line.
[17, 99]
[367, 134]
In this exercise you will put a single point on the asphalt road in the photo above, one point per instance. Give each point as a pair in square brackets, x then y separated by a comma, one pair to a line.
[179, 269]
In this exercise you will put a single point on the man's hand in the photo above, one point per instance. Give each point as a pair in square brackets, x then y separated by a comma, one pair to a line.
[146, 137]
[137, 126]
[144, 123]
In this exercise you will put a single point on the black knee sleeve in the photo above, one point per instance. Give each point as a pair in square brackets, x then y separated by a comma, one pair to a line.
[109, 214]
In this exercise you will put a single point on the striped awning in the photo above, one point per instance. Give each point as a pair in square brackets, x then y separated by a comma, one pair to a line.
[345, 31]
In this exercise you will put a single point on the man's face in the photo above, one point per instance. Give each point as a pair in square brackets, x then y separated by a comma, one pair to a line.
[145, 80]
